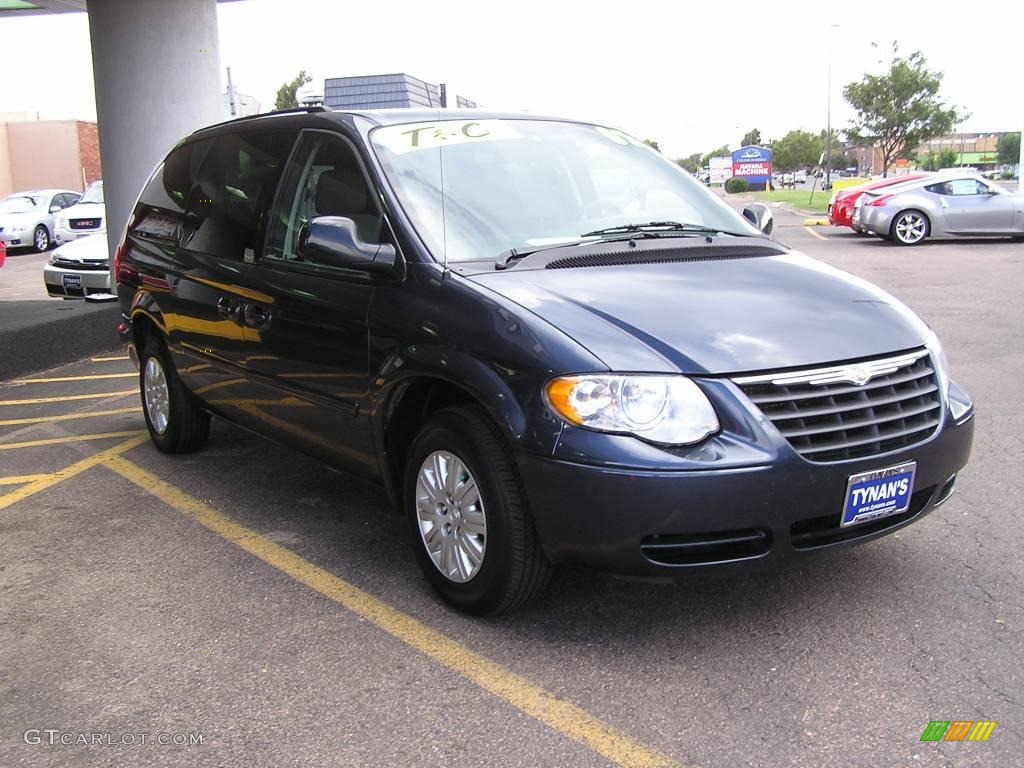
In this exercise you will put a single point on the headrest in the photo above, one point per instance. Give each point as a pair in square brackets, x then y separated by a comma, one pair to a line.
[339, 192]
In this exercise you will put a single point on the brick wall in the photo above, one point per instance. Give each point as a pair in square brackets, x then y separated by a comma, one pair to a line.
[89, 151]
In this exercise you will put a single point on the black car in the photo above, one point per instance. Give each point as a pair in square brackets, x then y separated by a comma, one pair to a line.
[546, 341]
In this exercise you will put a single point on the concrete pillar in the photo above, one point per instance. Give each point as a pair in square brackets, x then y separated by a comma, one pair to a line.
[156, 64]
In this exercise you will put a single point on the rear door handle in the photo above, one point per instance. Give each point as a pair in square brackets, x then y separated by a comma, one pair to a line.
[226, 310]
[256, 316]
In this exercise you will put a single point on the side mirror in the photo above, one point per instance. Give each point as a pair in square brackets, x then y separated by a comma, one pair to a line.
[334, 242]
[55, 208]
[760, 216]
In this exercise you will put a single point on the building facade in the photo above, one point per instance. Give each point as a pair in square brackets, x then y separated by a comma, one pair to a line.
[386, 92]
[973, 150]
[38, 154]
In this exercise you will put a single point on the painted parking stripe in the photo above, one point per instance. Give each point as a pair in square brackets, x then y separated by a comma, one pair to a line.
[20, 479]
[69, 398]
[561, 715]
[92, 377]
[816, 234]
[47, 481]
[108, 359]
[70, 416]
[68, 439]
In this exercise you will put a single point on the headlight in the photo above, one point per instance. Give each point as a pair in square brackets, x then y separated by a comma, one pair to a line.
[16, 228]
[670, 410]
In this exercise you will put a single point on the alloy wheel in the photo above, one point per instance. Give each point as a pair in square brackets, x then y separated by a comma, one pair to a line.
[911, 228]
[451, 518]
[156, 395]
[42, 239]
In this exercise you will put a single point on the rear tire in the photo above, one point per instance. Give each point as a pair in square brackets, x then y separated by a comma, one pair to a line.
[174, 419]
[909, 228]
[467, 515]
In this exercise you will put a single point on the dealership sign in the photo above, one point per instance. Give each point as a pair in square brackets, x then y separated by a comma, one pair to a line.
[753, 164]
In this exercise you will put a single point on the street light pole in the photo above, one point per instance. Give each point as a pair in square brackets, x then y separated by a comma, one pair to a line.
[828, 100]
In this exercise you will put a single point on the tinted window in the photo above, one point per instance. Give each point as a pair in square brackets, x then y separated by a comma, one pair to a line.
[161, 209]
[958, 188]
[234, 187]
[323, 179]
[212, 194]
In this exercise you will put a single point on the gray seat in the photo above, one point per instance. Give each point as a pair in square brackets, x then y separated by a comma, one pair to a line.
[341, 192]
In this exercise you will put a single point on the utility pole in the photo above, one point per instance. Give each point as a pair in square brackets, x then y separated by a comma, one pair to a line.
[231, 95]
[828, 137]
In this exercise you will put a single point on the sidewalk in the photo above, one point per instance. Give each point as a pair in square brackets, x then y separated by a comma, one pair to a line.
[37, 332]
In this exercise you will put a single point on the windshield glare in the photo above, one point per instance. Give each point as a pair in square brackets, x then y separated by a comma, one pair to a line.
[17, 204]
[475, 188]
[94, 194]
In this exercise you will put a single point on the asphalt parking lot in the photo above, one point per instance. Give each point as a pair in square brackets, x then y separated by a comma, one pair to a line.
[271, 606]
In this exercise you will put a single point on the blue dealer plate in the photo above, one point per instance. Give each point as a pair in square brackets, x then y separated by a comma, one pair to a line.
[74, 282]
[879, 493]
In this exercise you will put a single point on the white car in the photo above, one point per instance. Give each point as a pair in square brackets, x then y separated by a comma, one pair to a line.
[87, 217]
[27, 218]
[78, 269]
[800, 177]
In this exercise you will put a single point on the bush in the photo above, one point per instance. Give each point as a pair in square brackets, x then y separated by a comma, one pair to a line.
[1006, 175]
[734, 185]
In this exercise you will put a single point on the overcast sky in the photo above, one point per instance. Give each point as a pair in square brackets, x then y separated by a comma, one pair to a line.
[690, 75]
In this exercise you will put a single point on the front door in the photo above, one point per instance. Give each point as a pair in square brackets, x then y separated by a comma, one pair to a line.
[313, 343]
[973, 208]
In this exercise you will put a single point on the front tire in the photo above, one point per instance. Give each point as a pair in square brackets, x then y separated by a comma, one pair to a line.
[41, 239]
[174, 419]
[909, 228]
[467, 515]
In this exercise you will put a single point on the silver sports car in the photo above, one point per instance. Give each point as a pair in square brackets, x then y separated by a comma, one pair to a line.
[944, 205]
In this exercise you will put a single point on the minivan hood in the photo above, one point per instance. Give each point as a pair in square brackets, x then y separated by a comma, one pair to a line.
[717, 316]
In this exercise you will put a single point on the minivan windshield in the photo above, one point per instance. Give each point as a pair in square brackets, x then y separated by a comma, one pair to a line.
[476, 188]
[94, 194]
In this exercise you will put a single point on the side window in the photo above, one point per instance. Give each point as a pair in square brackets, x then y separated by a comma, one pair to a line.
[228, 197]
[324, 178]
[66, 200]
[160, 214]
[958, 188]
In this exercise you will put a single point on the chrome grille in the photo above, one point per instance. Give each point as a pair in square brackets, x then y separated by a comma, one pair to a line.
[827, 417]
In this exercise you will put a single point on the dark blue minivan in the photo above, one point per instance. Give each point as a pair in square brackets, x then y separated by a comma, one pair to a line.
[546, 341]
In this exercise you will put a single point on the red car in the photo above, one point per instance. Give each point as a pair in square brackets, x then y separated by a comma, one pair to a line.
[3, 253]
[840, 208]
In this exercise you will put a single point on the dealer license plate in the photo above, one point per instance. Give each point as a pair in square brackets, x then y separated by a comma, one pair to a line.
[72, 282]
[879, 493]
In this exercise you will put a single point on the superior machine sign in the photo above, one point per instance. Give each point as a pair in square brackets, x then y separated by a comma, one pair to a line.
[754, 164]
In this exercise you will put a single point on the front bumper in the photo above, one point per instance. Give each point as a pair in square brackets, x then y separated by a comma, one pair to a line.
[661, 523]
[22, 239]
[75, 284]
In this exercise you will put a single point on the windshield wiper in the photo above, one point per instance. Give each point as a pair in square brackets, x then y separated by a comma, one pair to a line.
[653, 227]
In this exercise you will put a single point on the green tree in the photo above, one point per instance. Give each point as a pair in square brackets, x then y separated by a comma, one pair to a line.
[1008, 149]
[751, 137]
[797, 149]
[900, 109]
[286, 93]
[722, 151]
[691, 163]
[653, 144]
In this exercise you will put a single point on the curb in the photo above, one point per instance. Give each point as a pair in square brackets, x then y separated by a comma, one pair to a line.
[37, 335]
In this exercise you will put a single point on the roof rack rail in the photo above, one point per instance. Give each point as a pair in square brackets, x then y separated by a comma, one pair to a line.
[294, 110]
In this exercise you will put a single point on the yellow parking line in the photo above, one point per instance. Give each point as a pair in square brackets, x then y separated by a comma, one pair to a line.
[68, 398]
[78, 378]
[20, 479]
[70, 416]
[48, 481]
[563, 716]
[218, 385]
[68, 439]
[108, 359]
[816, 234]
